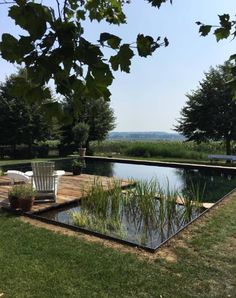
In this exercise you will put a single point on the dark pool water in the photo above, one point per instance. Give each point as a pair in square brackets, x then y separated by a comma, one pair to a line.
[212, 184]
[133, 229]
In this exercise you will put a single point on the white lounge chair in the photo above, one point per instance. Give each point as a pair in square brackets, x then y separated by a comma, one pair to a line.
[17, 176]
[45, 181]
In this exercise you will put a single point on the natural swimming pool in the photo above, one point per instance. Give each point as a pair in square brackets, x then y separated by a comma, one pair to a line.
[130, 222]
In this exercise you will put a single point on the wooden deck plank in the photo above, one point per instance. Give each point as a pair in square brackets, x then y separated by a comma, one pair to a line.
[70, 188]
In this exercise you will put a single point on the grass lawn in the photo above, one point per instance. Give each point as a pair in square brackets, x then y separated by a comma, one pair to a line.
[35, 262]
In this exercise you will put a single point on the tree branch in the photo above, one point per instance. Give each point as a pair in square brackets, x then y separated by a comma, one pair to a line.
[58, 8]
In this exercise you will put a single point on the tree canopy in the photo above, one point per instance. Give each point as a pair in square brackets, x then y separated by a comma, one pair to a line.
[225, 29]
[210, 111]
[96, 113]
[21, 122]
[55, 45]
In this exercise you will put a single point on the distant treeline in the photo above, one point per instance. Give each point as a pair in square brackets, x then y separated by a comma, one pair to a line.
[149, 135]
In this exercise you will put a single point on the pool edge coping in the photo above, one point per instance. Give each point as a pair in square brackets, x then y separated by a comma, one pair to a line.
[160, 163]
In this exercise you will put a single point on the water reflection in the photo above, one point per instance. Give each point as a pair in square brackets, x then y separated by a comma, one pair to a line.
[216, 183]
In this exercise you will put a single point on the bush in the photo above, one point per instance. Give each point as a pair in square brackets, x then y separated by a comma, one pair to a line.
[22, 152]
[65, 150]
[41, 151]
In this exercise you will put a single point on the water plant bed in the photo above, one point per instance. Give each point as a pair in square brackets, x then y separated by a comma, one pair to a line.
[139, 217]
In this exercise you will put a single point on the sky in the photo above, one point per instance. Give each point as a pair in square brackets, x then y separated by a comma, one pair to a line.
[152, 95]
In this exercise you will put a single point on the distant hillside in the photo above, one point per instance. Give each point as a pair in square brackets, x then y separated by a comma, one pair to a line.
[149, 135]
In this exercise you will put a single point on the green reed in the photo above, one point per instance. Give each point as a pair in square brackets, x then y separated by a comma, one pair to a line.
[147, 206]
[100, 208]
[193, 202]
[141, 203]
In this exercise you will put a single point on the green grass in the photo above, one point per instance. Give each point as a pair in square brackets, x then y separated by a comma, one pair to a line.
[160, 149]
[38, 263]
[169, 151]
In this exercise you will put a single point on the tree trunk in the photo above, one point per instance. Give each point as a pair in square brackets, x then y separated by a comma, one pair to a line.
[13, 151]
[88, 148]
[30, 150]
[228, 146]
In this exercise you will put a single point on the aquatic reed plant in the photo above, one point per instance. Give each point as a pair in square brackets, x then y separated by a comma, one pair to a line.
[85, 219]
[193, 202]
[171, 196]
[142, 203]
[96, 200]
[145, 209]
[100, 208]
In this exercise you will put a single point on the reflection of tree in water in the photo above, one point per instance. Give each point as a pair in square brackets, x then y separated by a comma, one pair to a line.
[216, 184]
[101, 168]
[64, 164]
[93, 167]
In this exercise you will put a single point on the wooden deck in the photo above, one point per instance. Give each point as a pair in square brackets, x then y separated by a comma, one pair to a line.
[70, 189]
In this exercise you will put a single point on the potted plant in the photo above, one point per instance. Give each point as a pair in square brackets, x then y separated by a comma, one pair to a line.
[21, 196]
[81, 134]
[27, 197]
[14, 195]
[77, 166]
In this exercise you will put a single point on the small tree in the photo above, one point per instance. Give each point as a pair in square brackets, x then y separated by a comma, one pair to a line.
[97, 113]
[210, 111]
[81, 133]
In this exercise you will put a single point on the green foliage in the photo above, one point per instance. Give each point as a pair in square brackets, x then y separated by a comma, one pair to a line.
[22, 121]
[100, 209]
[81, 133]
[210, 111]
[146, 44]
[97, 113]
[225, 29]
[55, 45]
[145, 207]
[23, 192]
[158, 3]
[52, 144]
[165, 149]
[78, 163]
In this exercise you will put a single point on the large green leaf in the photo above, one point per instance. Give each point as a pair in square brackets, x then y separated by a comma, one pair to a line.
[32, 17]
[112, 40]
[225, 21]
[123, 59]
[205, 29]
[10, 48]
[221, 33]
[158, 3]
[144, 45]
